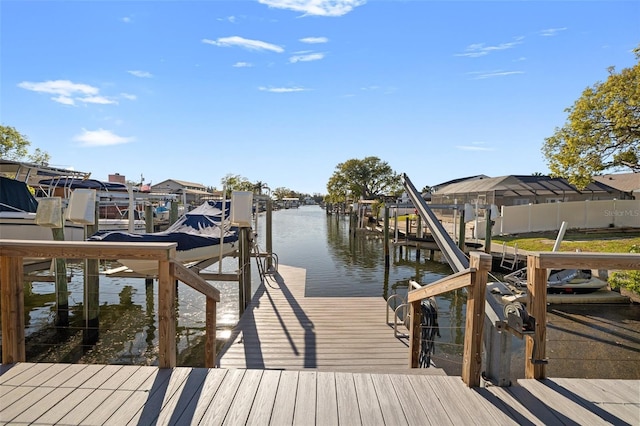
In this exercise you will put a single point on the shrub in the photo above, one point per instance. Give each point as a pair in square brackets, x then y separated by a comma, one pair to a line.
[627, 279]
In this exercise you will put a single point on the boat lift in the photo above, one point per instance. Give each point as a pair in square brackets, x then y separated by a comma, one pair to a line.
[498, 317]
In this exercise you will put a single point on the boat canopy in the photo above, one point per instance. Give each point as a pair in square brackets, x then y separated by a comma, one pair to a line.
[15, 196]
[203, 226]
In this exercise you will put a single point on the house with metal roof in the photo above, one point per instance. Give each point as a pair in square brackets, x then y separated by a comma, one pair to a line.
[518, 190]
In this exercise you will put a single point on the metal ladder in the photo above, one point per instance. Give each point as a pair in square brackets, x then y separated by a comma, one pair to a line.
[506, 263]
[261, 260]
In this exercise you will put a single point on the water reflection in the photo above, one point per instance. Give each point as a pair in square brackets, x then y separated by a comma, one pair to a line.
[339, 263]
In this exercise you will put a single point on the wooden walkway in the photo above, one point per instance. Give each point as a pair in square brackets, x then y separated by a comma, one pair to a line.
[283, 329]
[81, 394]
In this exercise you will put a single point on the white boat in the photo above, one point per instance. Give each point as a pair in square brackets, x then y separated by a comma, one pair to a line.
[18, 209]
[17, 216]
[561, 280]
[201, 234]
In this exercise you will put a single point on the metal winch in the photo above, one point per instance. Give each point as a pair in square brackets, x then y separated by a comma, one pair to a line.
[519, 323]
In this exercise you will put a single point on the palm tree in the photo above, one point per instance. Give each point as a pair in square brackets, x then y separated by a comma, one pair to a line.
[260, 186]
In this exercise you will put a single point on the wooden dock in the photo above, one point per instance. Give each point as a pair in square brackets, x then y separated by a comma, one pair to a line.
[81, 394]
[283, 329]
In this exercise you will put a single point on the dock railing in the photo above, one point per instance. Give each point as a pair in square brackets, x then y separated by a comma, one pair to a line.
[474, 279]
[13, 252]
[537, 266]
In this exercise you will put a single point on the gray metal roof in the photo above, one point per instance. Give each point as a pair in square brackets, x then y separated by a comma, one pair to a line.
[521, 185]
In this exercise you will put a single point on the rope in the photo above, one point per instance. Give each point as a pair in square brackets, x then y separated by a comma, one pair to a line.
[429, 331]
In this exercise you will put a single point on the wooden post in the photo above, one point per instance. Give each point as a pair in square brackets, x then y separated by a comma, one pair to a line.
[148, 217]
[166, 316]
[269, 232]
[210, 334]
[386, 236]
[407, 227]
[472, 355]
[415, 335]
[418, 235]
[537, 308]
[91, 290]
[461, 230]
[62, 292]
[488, 230]
[12, 297]
[246, 271]
[173, 212]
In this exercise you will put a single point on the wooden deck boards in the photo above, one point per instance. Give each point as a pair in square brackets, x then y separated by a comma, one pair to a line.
[190, 396]
[283, 329]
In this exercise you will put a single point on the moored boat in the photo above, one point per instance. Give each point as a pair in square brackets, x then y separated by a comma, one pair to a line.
[203, 233]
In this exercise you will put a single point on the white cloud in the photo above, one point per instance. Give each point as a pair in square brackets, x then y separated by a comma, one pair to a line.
[64, 88]
[126, 20]
[479, 49]
[316, 7]
[475, 146]
[550, 32]
[68, 92]
[231, 19]
[306, 58]
[282, 89]
[129, 96]
[141, 74]
[489, 74]
[97, 100]
[242, 65]
[314, 40]
[100, 137]
[65, 100]
[245, 43]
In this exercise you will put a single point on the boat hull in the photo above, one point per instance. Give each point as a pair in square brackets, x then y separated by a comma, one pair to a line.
[150, 267]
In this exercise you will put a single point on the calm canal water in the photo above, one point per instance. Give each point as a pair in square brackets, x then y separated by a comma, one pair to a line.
[337, 265]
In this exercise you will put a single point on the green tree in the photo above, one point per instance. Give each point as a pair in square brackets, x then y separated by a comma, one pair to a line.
[233, 182]
[259, 187]
[13, 145]
[602, 130]
[282, 192]
[368, 178]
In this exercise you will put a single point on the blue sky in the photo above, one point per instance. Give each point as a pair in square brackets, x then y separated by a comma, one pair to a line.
[282, 91]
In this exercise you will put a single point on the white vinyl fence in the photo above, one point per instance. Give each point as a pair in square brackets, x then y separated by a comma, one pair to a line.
[577, 214]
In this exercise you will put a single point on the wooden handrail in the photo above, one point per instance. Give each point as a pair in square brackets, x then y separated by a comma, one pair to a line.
[450, 283]
[475, 280]
[537, 266]
[585, 260]
[13, 252]
[87, 250]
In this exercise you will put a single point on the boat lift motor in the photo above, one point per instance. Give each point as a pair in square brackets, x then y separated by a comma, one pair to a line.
[519, 323]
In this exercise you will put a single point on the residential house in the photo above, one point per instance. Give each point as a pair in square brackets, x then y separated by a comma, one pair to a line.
[627, 182]
[190, 193]
[517, 190]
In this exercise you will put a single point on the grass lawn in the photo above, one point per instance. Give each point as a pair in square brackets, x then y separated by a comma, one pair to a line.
[601, 241]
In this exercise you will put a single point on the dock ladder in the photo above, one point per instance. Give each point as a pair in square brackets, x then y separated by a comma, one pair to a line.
[264, 261]
[507, 263]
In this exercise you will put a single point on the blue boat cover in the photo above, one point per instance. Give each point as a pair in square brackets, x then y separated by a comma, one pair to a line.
[200, 227]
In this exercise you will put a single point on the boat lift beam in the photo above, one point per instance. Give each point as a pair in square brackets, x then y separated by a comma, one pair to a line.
[454, 256]
[497, 345]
